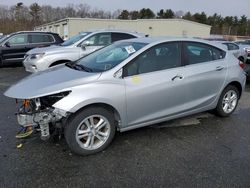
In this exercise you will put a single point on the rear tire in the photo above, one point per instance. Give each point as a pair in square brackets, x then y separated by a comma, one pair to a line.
[228, 101]
[90, 130]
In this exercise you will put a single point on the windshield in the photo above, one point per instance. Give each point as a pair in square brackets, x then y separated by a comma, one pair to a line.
[108, 57]
[3, 38]
[74, 39]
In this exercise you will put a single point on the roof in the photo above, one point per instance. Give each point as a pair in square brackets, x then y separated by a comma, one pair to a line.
[120, 20]
[34, 32]
[136, 34]
[152, 40]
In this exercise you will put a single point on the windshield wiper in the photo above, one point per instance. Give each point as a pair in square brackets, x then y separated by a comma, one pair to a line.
[78, 67]
[70, 65]
[87, 69]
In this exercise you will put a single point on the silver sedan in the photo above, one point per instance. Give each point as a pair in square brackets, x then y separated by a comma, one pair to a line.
[127, 85]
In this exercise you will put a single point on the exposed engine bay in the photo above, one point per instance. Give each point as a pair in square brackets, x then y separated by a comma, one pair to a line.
[41, 115]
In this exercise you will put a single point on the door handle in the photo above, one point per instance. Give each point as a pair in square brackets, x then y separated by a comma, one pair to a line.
[219, 68]
[177, 76]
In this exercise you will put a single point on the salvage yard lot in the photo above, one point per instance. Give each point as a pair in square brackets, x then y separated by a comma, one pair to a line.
[197, 151]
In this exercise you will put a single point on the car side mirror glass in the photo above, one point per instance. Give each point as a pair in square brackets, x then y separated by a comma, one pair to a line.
[7, 44]
[83, 46]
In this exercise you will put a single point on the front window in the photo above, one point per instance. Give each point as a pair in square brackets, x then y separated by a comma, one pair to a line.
[74, 39]
[18, 39]
[108, 57]
[160, 57]
[100, 39]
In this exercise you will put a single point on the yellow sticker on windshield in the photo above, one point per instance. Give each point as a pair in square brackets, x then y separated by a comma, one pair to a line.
[136, 79]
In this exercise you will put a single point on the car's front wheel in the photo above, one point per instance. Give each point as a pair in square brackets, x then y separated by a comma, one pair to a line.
[90, 130]
[228, 101]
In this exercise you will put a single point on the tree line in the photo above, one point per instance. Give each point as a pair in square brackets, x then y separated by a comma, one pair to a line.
[20, 17]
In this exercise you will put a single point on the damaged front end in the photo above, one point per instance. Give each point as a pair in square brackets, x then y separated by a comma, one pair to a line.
[41, 114]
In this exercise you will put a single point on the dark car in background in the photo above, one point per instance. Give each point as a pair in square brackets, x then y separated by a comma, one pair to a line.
[14, 46]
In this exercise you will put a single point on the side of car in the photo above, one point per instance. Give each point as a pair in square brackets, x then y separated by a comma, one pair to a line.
[167, 81]
[14, 47]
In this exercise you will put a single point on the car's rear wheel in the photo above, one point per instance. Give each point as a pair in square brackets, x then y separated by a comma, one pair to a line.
[90, 131]
[228, 101]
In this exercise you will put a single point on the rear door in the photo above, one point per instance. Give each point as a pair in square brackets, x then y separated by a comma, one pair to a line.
[16, 48]
[154, 85]
[40, 40]
[205, 73]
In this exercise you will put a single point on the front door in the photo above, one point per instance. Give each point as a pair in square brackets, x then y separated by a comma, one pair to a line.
[154, 84]
[15, 49]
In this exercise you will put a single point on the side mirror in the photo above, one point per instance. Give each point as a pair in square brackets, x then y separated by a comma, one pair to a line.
[118, 74]
[83, 46]
[7, 44]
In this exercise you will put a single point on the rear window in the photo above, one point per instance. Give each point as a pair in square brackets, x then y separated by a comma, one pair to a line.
[41, 38]
[196, 52]
[121, 36]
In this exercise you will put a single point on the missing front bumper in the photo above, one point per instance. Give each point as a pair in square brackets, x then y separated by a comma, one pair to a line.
[41, 120]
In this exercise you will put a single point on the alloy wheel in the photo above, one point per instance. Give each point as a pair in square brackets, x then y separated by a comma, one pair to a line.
[93, 132]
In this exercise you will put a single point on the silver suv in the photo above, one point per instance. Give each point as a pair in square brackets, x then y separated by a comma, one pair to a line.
[76, 47]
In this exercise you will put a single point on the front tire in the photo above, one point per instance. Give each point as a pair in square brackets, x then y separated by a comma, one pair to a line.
[228, 101]
[90, 130]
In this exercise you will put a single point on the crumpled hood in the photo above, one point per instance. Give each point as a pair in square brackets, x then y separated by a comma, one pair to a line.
[51, 81]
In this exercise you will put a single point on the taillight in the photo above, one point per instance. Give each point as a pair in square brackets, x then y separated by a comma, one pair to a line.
[241, 64]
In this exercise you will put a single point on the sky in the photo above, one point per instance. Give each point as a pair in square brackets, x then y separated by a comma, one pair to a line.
[223, 7]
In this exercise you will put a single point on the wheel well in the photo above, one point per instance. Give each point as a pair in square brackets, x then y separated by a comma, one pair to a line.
[107, 107]
[59, 62]
[237, 85]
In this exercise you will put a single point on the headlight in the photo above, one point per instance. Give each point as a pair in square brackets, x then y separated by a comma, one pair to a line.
[49, 100]
[37, 56]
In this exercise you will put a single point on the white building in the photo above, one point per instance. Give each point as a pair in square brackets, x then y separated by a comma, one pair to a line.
[69, 27]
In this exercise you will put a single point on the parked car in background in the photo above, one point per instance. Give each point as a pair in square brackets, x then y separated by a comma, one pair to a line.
[237, 50]
[127, 85]
[74, 48]
[244, 42]
[246, 46]
[14, 46]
